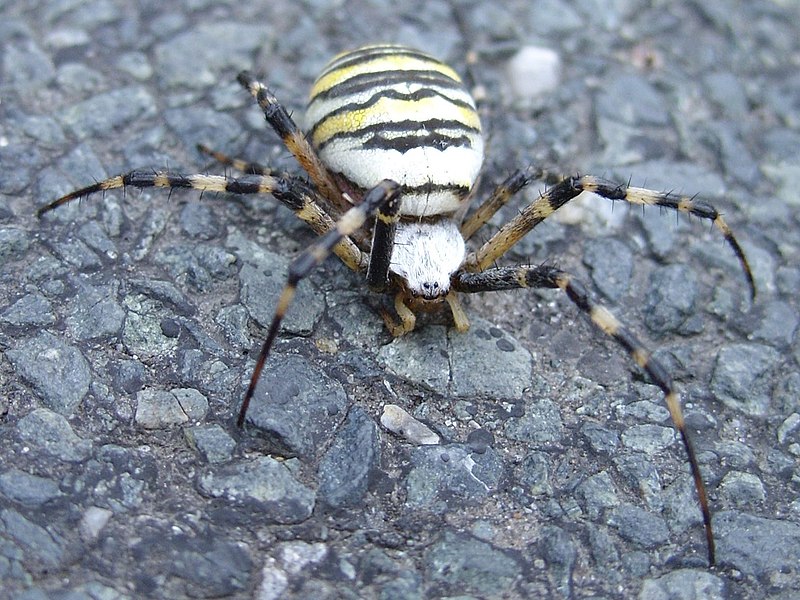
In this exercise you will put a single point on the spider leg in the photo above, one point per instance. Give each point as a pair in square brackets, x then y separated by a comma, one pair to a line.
[569, 188]
[291, 191]
[385, 194]
[545, 276]
[294, 140]
[408, 320]
[500, 197]
[380, 254]
[241, 165]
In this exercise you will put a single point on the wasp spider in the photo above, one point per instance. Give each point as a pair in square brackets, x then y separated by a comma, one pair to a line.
[393, 150]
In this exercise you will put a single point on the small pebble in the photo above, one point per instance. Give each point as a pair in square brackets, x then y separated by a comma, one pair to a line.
[398, 421]
[533, 72]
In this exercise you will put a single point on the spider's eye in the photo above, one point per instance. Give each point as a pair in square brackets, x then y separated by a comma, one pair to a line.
[431, 290]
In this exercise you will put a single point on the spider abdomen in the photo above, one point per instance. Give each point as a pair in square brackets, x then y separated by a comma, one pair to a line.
[390, 112]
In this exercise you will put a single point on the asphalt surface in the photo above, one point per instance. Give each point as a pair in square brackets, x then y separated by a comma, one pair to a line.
[129, 323]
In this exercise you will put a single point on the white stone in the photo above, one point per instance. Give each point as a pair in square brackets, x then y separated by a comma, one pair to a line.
[533, 72]
[398, 421]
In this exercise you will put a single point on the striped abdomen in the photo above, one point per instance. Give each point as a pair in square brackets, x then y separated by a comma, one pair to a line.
[389, 112]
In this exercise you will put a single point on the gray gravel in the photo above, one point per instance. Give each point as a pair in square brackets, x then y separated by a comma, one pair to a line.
[129, 322]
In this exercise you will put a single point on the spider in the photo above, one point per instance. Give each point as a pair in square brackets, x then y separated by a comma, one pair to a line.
[393, 152]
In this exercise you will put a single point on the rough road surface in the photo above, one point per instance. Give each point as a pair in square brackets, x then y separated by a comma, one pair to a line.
[129, 323]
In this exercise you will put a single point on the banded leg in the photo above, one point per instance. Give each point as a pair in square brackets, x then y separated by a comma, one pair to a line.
[378, 198]
[241, 165]
[291, 191]
[544, 276]
[500, 197]
[294, 140]
[569, 188]
[380, 254]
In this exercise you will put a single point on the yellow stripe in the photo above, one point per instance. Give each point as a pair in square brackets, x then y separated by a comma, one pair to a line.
[161, 180]
[380, 64]
[112, 183]
[603, 318]
[388, 110]
[388, 219]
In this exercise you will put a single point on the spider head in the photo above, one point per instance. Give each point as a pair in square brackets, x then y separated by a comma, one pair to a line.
[426, 253]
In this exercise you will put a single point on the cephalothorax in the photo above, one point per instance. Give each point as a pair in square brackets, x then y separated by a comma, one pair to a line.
[394, 149]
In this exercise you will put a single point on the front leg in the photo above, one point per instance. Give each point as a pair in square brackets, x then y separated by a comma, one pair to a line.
[408, 320]
[378, 197]
[545, 276]
[293, 192]
[570, 188]
[380, 254]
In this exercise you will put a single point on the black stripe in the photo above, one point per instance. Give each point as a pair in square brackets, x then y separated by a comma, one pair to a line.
[429, 188]
[364, 55]
[393, 94]
[657, 371]
[139, 178]
[579, 295]
[366, 81]
[411, 128]
[178, 181]
[432, 188]
[405, 143]
[506, 278]
[275, 114]
[701, 209]
[627, 340]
